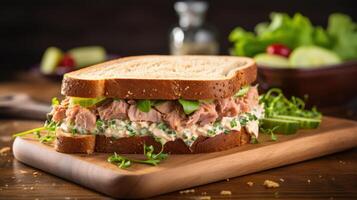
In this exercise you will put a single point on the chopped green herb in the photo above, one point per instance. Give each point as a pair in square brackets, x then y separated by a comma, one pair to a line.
[216, 124]
[162, 126]
[233, 123]
[189, 106]
[74, 131]
[171, 132]
[211, 132]
[243, 121]
[251, 117]
[130, 129]
[100, 125]
[144, 131]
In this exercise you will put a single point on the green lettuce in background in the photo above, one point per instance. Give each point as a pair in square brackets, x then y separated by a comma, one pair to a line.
[339, 36]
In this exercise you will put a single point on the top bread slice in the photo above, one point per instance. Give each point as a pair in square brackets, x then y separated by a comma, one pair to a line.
[162, 77]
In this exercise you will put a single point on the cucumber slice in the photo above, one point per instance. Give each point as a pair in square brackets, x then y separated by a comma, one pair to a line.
[85, 102]
[50, 60]
[284, 126]
[313, 56]
[272, 60]
[305, 123]
[85, 56]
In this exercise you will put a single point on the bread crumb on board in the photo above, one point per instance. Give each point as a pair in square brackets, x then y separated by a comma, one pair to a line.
[281, 179]
[226, 192]
[4, 150]
[250, 183]
[271, 184]
[204, 198]
[187, 191]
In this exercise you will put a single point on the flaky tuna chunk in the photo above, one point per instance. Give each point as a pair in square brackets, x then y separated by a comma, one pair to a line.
[205, 114]
[227, 107]
[85, 119]
[136, 115]
[113, 110]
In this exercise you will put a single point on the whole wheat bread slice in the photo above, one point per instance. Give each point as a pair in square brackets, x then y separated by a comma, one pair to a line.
[162, 77]
[66, 143]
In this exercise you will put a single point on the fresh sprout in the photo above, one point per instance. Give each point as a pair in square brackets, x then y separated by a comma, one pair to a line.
[151, 158]
[275, 103]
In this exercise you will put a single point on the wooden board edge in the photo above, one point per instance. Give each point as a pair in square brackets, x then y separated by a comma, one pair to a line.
[196, 177]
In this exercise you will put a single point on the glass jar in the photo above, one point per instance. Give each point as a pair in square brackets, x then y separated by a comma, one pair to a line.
[193, 36]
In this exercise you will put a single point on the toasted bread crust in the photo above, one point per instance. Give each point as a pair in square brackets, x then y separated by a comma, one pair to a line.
[126, 88]
[67, 143]
[134, 145]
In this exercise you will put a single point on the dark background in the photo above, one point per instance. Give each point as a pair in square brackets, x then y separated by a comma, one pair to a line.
[128, 27]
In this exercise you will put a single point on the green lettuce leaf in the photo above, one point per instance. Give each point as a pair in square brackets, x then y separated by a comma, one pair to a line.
[145, 105]
[189, 106]
[344, 32]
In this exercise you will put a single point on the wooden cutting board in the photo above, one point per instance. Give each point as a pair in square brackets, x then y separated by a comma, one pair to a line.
[185, 171]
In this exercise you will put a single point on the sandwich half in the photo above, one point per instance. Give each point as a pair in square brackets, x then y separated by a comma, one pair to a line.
[183, 104]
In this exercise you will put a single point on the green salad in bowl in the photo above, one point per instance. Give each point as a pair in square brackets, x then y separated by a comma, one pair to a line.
[293, 42]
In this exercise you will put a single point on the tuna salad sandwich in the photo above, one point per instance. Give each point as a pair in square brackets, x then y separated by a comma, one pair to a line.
[183, 104]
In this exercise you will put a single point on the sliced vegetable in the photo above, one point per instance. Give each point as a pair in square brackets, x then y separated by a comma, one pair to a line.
[305, 123]
[50, 60]
[85, 56]
[189, 106]
[85, 102]
[243, 91]
[283, 126]
[55, 101]
[270, 60]
[145, 105]
[313, 56]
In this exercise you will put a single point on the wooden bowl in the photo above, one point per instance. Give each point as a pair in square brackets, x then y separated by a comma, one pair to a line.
[326, 86]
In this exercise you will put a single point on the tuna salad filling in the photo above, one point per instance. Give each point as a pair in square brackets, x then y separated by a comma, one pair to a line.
[164, 120]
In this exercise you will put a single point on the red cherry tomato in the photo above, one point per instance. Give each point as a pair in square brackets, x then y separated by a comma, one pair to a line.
[67, 61]
[278, 49]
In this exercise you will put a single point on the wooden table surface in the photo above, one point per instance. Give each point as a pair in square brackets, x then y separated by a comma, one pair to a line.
[328, 177]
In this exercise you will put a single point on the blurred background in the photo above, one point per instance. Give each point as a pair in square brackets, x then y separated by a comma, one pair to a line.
[136, 27]
[129, 27]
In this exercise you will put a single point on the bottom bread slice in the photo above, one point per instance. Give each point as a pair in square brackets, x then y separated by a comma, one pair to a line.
[68, 143]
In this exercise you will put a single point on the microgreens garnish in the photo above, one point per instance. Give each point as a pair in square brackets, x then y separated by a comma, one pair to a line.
[151, 158]
[275, 103]
[49, 126]
[270, 131]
